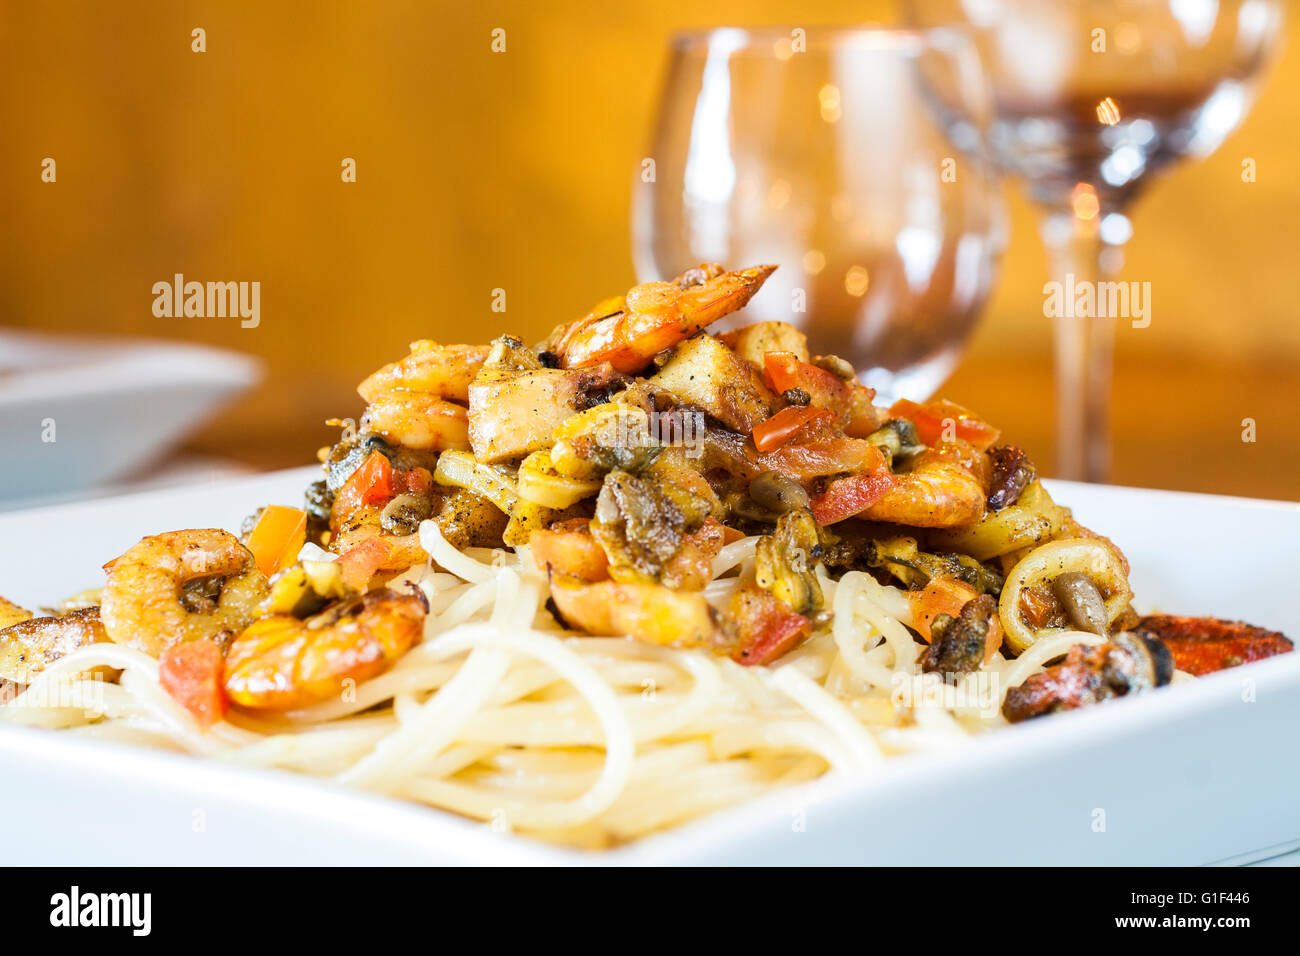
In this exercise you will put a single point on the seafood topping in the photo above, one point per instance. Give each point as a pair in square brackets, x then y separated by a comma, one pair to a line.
[629, 330]
[1126, 664]
[958, 645]
[1013, 472]
[148, 606]
[647, 612]
[900, 556]
[705, 374]
[646, 526]
[674, 486]
[11, 613]
[785, 560]
[281, 662]
[514, 411]
[1082, 601]
[777, 493]
[942, 487]
[897, 438]
[1202, 645]
[30, 646]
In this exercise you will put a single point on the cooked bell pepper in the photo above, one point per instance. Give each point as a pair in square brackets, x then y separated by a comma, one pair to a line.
[781, 427]
[935, 418]
[845, 497]
[277, 537]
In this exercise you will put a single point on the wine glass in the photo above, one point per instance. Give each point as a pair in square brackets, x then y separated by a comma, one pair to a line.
[1092, 98]
[852, 159]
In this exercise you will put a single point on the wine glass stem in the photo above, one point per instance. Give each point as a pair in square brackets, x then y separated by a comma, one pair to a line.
[1082, 264]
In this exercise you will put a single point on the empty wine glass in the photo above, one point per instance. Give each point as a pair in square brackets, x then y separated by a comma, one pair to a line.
[852, 159]
[1092, 98]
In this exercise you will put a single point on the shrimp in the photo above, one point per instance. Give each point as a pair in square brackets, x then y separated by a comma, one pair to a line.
[628, 331]
[148, 606]
[651, 613]
[417, 420]
[281, 662]
[420, 401]
[943, 489]
[441, 371]
[756, 628]
[30, 646]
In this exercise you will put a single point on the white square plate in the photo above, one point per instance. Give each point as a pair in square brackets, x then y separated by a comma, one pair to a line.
[1199, 773]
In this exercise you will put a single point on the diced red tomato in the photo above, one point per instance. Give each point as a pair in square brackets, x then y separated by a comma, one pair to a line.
[943, 420]
[360, 563]
[850, 402]
[845, 497]
[191, 673]
[826, 389]
[375, 477]
[371, 483]
[377, 482]
[1037, 606]
[277, 537]
[767, 627]
[783, 426]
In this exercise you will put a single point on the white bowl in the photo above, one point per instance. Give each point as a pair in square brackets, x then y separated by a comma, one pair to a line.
[78, 412]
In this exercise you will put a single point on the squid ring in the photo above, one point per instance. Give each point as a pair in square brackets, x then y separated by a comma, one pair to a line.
[1087, 556]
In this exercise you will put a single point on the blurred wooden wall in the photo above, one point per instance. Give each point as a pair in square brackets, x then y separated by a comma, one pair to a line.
[478, 171]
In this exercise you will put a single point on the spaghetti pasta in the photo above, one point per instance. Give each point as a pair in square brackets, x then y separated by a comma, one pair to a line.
[503, 716]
